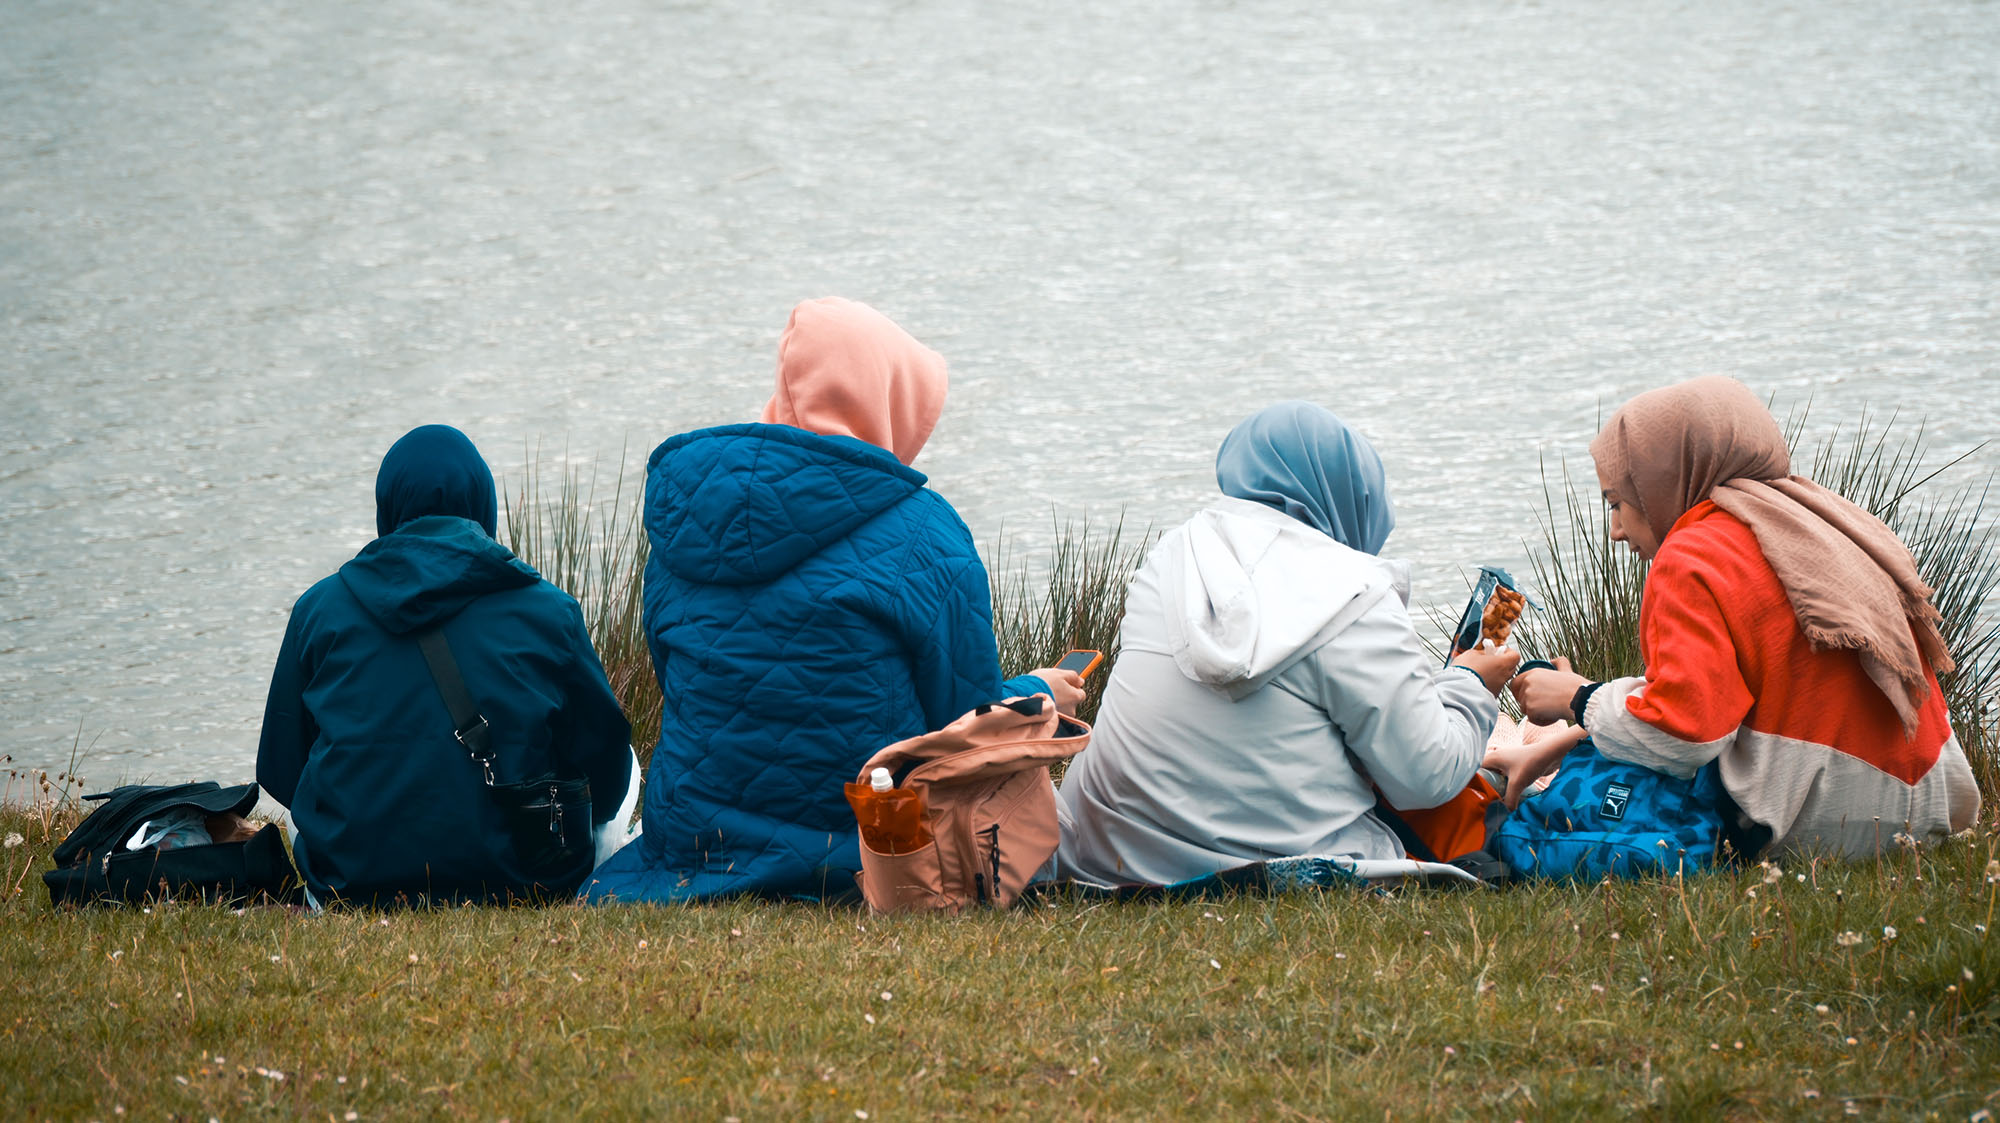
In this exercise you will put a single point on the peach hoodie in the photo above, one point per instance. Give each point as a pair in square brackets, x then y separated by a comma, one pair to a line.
[846, 370]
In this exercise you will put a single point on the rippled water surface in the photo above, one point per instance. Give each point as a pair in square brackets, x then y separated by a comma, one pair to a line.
[244, 246]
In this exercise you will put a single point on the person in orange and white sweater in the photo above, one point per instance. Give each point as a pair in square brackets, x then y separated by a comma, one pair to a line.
[1785, 631]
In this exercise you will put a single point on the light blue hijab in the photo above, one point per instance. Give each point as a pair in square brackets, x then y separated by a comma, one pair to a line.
[1306, 462]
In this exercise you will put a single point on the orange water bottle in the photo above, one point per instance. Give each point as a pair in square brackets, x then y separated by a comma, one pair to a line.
[891, 818]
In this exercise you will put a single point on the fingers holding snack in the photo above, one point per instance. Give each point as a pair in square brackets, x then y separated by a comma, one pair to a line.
[1493, 665]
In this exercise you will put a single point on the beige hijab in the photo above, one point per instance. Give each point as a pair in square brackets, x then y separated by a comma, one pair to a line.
[1851, 581]
[846, 370]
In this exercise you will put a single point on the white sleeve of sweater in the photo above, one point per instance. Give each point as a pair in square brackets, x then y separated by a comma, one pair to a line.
[1419, 731]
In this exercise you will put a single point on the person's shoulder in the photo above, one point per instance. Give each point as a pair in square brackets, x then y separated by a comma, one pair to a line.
[1712, 546]
[540, 597]
[327, 592]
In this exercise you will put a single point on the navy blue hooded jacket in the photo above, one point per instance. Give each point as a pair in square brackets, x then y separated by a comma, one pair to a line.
[358, 743]
[807, 602]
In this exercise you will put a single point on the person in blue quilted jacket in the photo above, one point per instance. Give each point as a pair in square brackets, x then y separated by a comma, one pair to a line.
[808, 601]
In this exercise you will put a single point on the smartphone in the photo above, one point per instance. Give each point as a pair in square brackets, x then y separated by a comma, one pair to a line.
[1082, 662]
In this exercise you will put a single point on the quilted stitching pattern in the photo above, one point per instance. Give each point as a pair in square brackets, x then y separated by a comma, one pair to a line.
[807, 602]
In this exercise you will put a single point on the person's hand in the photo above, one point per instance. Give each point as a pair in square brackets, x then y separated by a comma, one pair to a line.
[1065, 688]
[1493, 665]
[1525, 763]
[1545, 695]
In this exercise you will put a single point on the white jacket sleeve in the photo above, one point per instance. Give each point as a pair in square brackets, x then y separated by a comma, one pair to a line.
[1418, 731]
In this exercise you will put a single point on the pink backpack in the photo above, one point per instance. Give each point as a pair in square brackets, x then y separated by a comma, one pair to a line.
[988, 802]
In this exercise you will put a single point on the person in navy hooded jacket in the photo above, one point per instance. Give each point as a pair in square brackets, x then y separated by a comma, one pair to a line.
[808, 601]
[358, 743]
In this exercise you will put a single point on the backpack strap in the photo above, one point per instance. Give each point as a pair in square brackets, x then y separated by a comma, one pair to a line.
[468, 725]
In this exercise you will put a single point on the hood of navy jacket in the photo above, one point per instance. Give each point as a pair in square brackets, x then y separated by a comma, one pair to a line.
[430, 569]
[434, 470]
[744, 504]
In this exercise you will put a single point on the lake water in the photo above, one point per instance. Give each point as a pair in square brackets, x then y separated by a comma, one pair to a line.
[244, 246]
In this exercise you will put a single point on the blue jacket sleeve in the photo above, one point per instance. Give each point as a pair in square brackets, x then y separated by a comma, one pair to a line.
[594, 736]
[1024, 685]
[289, 730]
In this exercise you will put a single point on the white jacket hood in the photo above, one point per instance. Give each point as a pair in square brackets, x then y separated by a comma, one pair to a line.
[1251, 590]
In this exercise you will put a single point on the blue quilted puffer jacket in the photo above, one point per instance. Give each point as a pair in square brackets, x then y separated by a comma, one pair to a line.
[808, 601]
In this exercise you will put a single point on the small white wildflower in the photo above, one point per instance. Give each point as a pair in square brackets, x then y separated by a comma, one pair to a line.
[1739, 1044]
[14, 839]
[1847, 939]
[1751, 892]
[277, 959]
[119, 954]
[886, 996]
[869, 1018]
[1854, 1041]
[180, 1080]
[643, 945]
[1596, 989]
[1340, 955]
[1820, 1009]
[1904, 841]
[340, 1080]
[1888, 931]
[1215, 964]
[860, 1114]
[1802, 879]
[1450, 1052]
[413, 957]
[1810, 1093]
[1993, 871]
[1966, 973]
[1771, 872]
[351, 1116]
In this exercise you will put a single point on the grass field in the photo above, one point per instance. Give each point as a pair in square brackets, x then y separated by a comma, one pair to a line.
[1813, 992]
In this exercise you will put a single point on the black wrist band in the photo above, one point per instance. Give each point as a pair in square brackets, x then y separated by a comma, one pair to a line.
[1581, 699]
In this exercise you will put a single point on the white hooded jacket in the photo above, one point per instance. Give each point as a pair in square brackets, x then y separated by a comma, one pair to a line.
[1267, 674]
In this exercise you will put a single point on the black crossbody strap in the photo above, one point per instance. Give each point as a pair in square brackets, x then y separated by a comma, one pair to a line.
[468, 725]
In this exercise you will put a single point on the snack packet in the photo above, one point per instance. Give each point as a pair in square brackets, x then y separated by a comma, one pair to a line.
[1491, 613]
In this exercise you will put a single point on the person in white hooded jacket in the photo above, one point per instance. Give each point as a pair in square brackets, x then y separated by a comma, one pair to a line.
[1269, 672]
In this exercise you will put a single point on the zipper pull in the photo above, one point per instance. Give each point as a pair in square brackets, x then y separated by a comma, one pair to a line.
[555, 813]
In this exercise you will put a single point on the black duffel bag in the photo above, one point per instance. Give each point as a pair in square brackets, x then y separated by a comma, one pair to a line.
[93, 864]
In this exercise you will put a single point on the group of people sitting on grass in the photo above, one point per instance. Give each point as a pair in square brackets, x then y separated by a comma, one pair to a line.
[809, 600]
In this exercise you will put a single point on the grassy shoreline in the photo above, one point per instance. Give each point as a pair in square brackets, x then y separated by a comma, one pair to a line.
[1732, 995]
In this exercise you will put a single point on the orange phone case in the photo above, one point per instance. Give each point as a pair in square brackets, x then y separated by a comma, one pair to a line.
[1097, 657]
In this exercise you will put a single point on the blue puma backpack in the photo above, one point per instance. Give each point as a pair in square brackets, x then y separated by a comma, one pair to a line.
[1603, 817]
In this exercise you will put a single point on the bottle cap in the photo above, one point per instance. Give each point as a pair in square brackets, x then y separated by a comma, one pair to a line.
[880, 780]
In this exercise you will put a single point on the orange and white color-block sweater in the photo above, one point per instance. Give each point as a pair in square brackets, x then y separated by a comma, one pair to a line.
[1807, 744]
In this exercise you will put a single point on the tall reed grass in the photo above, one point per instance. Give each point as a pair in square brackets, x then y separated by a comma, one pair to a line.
[590, 541]
[1074, 599]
